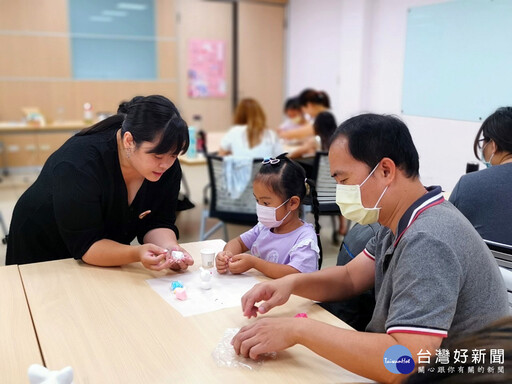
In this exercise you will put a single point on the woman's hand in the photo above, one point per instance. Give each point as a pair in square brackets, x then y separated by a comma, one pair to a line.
[153, 257]
[222, 261]
[241, 263]
[182, 264]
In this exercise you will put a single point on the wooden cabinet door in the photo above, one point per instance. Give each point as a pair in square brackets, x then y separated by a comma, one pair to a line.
[18, 150]
[261, 56]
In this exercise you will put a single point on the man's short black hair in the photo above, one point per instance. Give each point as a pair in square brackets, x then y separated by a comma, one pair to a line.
[372, 137]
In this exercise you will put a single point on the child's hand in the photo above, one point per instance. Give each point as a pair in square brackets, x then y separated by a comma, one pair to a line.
[221, 261]
[241, 263]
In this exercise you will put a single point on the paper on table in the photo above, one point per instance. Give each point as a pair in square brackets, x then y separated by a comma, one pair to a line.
[227, 291]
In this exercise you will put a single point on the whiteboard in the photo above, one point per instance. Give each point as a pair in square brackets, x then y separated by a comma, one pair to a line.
[458, 59]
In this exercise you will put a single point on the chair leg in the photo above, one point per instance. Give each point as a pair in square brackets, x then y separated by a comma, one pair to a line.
[226, 239]
[4, 228]
[204, 215]
[335, 232]
[213, 230]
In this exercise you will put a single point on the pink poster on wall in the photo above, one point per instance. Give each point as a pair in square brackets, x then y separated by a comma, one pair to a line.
[206, 68]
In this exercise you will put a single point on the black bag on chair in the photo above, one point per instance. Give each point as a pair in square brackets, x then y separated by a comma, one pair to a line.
[183, 203]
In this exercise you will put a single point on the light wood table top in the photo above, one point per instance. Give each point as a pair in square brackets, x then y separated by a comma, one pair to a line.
[18, 342]
[111, 327]
[213, 140]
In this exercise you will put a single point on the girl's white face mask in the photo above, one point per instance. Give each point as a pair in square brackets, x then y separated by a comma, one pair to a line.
[267, 215]
[348, 198]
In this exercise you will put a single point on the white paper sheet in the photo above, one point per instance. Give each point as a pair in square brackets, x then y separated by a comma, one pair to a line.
[227, 291]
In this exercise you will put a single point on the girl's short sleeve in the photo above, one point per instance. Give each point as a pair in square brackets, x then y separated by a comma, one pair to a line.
[304, 255]
[249, 237]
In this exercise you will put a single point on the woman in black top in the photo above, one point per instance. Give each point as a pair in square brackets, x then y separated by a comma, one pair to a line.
[107, 184]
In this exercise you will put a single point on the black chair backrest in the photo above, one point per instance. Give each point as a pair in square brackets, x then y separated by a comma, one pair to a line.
[325, 185]
[502, 253]
[241, 210]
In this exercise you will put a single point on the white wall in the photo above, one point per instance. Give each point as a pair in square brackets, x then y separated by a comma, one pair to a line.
[313, 38]
[370, 58]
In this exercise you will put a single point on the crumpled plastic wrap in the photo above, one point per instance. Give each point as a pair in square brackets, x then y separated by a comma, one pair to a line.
[225, 356]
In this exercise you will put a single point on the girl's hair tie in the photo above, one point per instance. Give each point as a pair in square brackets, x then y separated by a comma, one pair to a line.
[271, 160]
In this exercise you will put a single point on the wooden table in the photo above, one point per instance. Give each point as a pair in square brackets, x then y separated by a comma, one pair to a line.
[111, 327]
[18, 342]
[213, 140]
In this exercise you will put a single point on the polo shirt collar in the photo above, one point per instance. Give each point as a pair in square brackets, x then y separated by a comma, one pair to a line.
[433, 197]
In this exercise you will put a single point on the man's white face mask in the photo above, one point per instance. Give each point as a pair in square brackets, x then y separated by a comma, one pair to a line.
[348, 198]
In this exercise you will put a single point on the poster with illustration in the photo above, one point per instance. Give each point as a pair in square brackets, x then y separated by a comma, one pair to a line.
[206, 68]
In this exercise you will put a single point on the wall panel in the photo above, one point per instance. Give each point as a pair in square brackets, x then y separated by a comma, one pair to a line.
[205, 20]
[35, 65]
[34, 15]
[261, 57]
[34, 56]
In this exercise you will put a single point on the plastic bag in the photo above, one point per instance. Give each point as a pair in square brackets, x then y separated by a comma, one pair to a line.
[225, 356]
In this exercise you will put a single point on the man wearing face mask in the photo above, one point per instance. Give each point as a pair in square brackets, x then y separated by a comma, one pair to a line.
[433, 275]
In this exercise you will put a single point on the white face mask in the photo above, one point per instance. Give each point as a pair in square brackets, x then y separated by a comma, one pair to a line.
[267, 215]
[348, 198]
[482, 157]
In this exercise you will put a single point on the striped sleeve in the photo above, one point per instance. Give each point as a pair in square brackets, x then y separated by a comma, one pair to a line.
[368, 254]
[417, 330]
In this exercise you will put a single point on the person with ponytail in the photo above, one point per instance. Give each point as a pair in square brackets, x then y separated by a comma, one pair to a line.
[250, 136]
[281, 243]
[108, 184]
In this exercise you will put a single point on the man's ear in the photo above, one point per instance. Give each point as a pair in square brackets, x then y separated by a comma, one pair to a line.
[388, 169]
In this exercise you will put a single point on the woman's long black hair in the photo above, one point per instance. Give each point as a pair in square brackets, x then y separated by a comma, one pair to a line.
[148, 118]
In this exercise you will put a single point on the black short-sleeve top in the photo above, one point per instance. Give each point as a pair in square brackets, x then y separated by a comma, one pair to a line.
[80, 197]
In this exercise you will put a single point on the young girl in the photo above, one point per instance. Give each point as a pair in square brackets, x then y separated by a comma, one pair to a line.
[281, 243]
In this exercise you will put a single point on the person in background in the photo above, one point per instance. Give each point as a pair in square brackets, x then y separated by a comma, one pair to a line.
[324, 126]
[312, 103]
[356, 311]
[294, 116]
[485, 197]
[108, 184]
[250, 137]
[281, 243]
[433, 275]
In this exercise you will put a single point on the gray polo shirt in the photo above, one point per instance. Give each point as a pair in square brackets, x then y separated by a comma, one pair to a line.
[436, 276]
